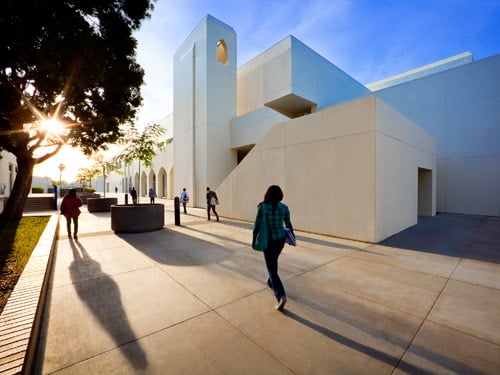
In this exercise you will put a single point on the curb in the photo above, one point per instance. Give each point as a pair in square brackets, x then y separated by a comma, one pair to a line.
[21, 317]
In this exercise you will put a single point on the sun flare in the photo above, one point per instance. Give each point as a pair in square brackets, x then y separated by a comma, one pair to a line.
[52, 126]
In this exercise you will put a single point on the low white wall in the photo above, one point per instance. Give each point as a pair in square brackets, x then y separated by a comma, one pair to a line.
[328, 165]
[402, 148]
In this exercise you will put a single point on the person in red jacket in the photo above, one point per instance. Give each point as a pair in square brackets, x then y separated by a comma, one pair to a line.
[70, 208]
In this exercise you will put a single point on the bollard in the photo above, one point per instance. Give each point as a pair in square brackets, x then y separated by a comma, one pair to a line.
[55, 197]
[126, 198]
[177, 211]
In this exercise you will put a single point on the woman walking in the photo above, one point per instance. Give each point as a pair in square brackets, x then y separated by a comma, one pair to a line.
[271, 215]
[70, 208]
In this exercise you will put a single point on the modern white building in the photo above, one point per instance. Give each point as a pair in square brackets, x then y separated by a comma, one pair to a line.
[355, 161]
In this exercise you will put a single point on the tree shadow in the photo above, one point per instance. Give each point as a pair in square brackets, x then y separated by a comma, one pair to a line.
[104, 301]
[7, 235]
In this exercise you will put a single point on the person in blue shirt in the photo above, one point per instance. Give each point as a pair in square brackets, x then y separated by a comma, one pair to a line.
[152, 195]
[184, 199]
[276, 214]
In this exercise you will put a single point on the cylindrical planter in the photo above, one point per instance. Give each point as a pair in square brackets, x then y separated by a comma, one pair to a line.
[137, 218]
[85, 196]
[100, 204]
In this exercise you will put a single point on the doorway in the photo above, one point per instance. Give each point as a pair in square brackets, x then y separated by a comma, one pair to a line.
[425, 192]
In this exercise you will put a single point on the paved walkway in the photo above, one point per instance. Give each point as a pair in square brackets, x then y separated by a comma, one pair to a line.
[192, 299]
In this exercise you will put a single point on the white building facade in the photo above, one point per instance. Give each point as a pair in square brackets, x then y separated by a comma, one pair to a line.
[290, 117]
[354, 161]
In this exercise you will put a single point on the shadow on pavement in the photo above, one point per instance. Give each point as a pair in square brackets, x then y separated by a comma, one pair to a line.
[396, 363]
[104, 301]
[362, 348]
[300, 238]
[176, 249]
[462, 236]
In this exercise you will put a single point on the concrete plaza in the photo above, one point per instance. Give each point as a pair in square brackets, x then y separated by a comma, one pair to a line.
[193, 299]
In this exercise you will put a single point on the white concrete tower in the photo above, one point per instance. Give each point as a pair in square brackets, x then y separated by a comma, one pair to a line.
[205, 70]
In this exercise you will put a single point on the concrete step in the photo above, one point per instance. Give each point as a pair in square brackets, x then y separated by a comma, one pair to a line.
[43, 203]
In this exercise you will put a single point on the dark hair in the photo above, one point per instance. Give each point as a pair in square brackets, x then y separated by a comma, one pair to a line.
[273, 195]
[72, 192]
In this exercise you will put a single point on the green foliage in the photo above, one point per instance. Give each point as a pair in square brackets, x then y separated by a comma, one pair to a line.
[81, 51]
[87, 174]
[74, 61]
[37, 189]
[89, 189]
[143, 145]
[103, 166]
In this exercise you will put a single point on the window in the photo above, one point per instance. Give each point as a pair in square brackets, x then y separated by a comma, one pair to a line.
[222, 51]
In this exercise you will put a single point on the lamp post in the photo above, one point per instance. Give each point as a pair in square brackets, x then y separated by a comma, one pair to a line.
[61, 169]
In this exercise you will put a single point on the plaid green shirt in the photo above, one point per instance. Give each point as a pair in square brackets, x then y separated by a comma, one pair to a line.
[275, 218]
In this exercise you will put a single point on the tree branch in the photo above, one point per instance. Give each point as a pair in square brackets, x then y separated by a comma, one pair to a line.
[41, 159]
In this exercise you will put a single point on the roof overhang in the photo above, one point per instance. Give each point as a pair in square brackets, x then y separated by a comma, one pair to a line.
[291, 105]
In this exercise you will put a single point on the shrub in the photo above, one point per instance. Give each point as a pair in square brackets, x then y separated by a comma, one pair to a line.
[89, 189]
[37, 189]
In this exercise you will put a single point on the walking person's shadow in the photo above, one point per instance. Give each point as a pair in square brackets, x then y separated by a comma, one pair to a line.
[103, 299]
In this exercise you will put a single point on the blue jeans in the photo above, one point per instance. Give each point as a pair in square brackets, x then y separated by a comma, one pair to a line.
[271, 255]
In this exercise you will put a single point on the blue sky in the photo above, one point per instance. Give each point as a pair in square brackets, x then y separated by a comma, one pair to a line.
[368, 39]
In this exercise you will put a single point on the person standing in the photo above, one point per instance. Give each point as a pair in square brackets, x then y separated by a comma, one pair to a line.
[184, 199]
[70, 208]
[212, 201]
[133, 194]
[272, 213]
[152, 195]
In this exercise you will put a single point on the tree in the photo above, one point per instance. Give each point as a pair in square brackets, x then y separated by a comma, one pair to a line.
[71, 62]
[142, 146]
[87, 174]
[104, 167]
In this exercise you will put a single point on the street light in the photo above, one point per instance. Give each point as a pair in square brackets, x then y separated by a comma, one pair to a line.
[61, 167]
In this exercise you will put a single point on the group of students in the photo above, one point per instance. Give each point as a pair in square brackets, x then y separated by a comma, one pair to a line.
[271, 219]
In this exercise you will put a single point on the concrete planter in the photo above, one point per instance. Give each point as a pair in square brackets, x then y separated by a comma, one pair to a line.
[137, 218]
[85, 196]
[100, 204]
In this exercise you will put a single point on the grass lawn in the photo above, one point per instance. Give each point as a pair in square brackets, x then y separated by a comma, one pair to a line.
[17, 241]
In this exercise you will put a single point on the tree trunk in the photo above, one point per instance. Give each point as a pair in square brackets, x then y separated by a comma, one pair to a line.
[22, 186]
[140, 182]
